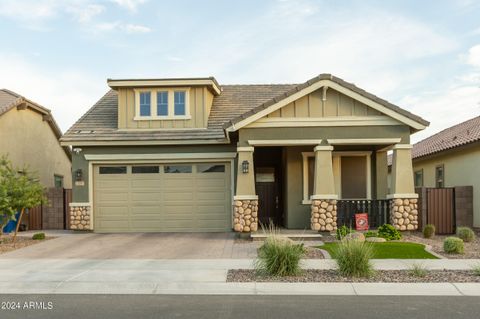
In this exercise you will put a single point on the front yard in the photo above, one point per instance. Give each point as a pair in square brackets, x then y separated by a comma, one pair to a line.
[6, 244]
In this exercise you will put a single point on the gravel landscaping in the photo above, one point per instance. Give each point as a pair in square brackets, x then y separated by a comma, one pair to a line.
[7, 246]
[392, 276]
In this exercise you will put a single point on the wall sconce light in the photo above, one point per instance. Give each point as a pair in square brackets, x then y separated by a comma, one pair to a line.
[77, 150]
[78, 175]
[245, 165]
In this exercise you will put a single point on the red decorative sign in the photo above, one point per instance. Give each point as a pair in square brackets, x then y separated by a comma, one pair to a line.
[361, 221]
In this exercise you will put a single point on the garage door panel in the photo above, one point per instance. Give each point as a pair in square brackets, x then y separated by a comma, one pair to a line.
[173, 202]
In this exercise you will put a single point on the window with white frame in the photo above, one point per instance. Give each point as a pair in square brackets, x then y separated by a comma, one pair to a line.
[162, 104]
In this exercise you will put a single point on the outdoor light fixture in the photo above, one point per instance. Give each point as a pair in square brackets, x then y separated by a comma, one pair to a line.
[77, 150]
[78, 175]
[245, 165]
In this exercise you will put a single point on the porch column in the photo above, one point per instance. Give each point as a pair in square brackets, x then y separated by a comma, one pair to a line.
[324, 199]
[245, 210]
[381, 163]
[403, 199]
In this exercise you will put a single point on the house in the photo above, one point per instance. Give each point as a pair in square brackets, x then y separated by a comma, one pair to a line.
[451, 158]
[30, 137]
[189, 154]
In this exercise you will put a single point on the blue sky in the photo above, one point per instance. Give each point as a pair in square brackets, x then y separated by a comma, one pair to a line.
[421, 55]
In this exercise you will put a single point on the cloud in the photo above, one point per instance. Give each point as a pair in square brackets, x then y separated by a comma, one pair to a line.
[68, 92]
[130, 5]
[119, 26]
[84, 14]
[28, 9]
[135, 28]
[473, 56]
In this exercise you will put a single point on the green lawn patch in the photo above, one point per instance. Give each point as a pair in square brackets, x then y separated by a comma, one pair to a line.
[389, 250]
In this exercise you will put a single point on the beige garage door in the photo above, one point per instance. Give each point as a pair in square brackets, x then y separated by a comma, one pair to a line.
[162, 198]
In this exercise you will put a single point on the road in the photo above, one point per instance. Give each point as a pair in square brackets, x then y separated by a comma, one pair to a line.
[232, 307]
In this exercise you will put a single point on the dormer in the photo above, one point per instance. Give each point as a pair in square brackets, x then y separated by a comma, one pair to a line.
[178, 103]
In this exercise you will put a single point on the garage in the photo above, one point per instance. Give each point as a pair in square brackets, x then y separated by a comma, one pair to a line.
[176, 197]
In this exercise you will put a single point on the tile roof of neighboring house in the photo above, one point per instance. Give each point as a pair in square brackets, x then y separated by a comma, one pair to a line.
[457, 135]
[10, 99]
[236, 102]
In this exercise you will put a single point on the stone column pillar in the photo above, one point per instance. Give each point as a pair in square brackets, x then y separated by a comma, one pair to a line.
[404, 200]
[324, 199]
[80, 216]
[245, 207]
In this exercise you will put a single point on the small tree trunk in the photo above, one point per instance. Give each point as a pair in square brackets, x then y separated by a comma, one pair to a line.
[18, 226]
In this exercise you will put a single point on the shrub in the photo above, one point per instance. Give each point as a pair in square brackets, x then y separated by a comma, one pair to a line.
[370, 233]
[418, 270]
[476, 270]
[389, 232]
[279, 257]
[353, 258]
[466, 234]
[343, 231]
[429, 231]
[453, 245]
[38, 236]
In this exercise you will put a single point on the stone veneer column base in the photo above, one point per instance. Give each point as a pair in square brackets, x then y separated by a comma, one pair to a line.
[404, 213]
[245, 215]
[80, 216]
[324, 215]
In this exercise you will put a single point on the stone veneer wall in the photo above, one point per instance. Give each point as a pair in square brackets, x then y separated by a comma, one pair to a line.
[80, 217]
[324, 215]
[245, 216]
[404, 213]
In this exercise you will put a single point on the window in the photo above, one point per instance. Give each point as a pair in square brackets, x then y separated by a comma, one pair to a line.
[179, 103]
[113, 170]
[145, 169]
[177, 169]
[162, 103]
[58, 180]
[418, 178]
[145, 106]
[439, 176]
[311, 174]
[210, 168]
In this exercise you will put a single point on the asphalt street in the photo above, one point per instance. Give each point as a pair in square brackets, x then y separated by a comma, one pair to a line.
[236, 306]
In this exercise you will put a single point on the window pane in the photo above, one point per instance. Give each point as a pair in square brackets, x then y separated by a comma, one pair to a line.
[311, 172]
[179, 101]
[113, 170]
[145, 169]
[177, 169]
[162, 103]
[419, 179]
[58, 181]
[145, 104]
[210, 168]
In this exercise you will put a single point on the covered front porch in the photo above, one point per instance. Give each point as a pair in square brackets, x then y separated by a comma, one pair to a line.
[321, 184]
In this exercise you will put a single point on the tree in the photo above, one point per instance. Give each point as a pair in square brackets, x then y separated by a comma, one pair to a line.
[7, 211]
[22, 191]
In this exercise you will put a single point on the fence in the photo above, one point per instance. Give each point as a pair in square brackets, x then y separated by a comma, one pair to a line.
[52, 215]
[378, 211]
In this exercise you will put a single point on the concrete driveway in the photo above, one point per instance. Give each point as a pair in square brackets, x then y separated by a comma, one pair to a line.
[139, 246]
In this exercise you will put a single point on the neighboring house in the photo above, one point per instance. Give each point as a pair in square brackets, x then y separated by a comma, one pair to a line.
[451, 158]
[193, 155]
[30, 137]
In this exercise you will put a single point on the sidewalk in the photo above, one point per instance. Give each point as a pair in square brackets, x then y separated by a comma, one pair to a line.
[207, 276]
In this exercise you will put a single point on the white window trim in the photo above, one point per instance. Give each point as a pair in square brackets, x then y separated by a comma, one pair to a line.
[337, 172]
[153, 104]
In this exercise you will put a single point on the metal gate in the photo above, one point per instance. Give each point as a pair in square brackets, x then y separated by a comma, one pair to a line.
[440, 209]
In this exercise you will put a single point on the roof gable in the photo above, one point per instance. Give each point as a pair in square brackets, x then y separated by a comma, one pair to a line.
[324, 82]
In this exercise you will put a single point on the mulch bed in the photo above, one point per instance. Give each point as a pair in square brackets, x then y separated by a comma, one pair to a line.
[7, 246]
[388, 276]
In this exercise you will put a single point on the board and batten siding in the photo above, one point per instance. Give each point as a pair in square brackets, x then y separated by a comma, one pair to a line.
[312, 105]
[200, 103]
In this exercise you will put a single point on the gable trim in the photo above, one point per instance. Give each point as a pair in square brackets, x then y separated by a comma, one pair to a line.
[315, 86]
[373, 120]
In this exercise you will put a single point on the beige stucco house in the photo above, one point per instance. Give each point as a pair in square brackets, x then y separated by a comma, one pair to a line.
[451, 158]
[193, 155]
[30, 137]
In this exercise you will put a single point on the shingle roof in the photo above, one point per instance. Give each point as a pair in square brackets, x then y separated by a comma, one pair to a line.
[325, 76]
[454, 136]
[8, 99]
[100, 122]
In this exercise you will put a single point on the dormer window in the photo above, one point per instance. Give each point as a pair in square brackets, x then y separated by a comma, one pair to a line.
[162, 104]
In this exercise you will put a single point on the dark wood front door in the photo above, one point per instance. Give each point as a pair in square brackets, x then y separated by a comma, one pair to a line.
[268, 191]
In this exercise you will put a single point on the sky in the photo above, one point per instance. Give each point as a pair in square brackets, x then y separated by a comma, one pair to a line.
[421, 55]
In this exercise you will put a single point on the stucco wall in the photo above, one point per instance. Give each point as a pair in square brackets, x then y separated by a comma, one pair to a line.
[462, 168]
[80, 193]
[28, 140]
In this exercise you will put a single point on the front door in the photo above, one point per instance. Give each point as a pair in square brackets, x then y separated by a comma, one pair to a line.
[268, 192]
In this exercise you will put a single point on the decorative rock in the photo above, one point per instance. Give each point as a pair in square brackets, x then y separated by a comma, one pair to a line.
[329, 220]
[406, 202]
[316, 226]
[245, 213]
[322, 222]
[410, 227]
[375, 239]
[397, 215]
[316, 215]
[403, 227]
[322, 210]
[323, 214]
[404, 213]
[398, 202]
[329, 215]
[315, 209]
[329, 208]
[329, 227]
[401, 209]
[237, 227]
[238, 203]
[324, 204]
[355, 236]
[400, 221]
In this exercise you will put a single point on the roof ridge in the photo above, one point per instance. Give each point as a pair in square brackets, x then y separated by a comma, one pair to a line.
[260, 84]
[11, 93]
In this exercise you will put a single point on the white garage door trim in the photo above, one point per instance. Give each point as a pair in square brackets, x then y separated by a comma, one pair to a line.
[91, 165]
